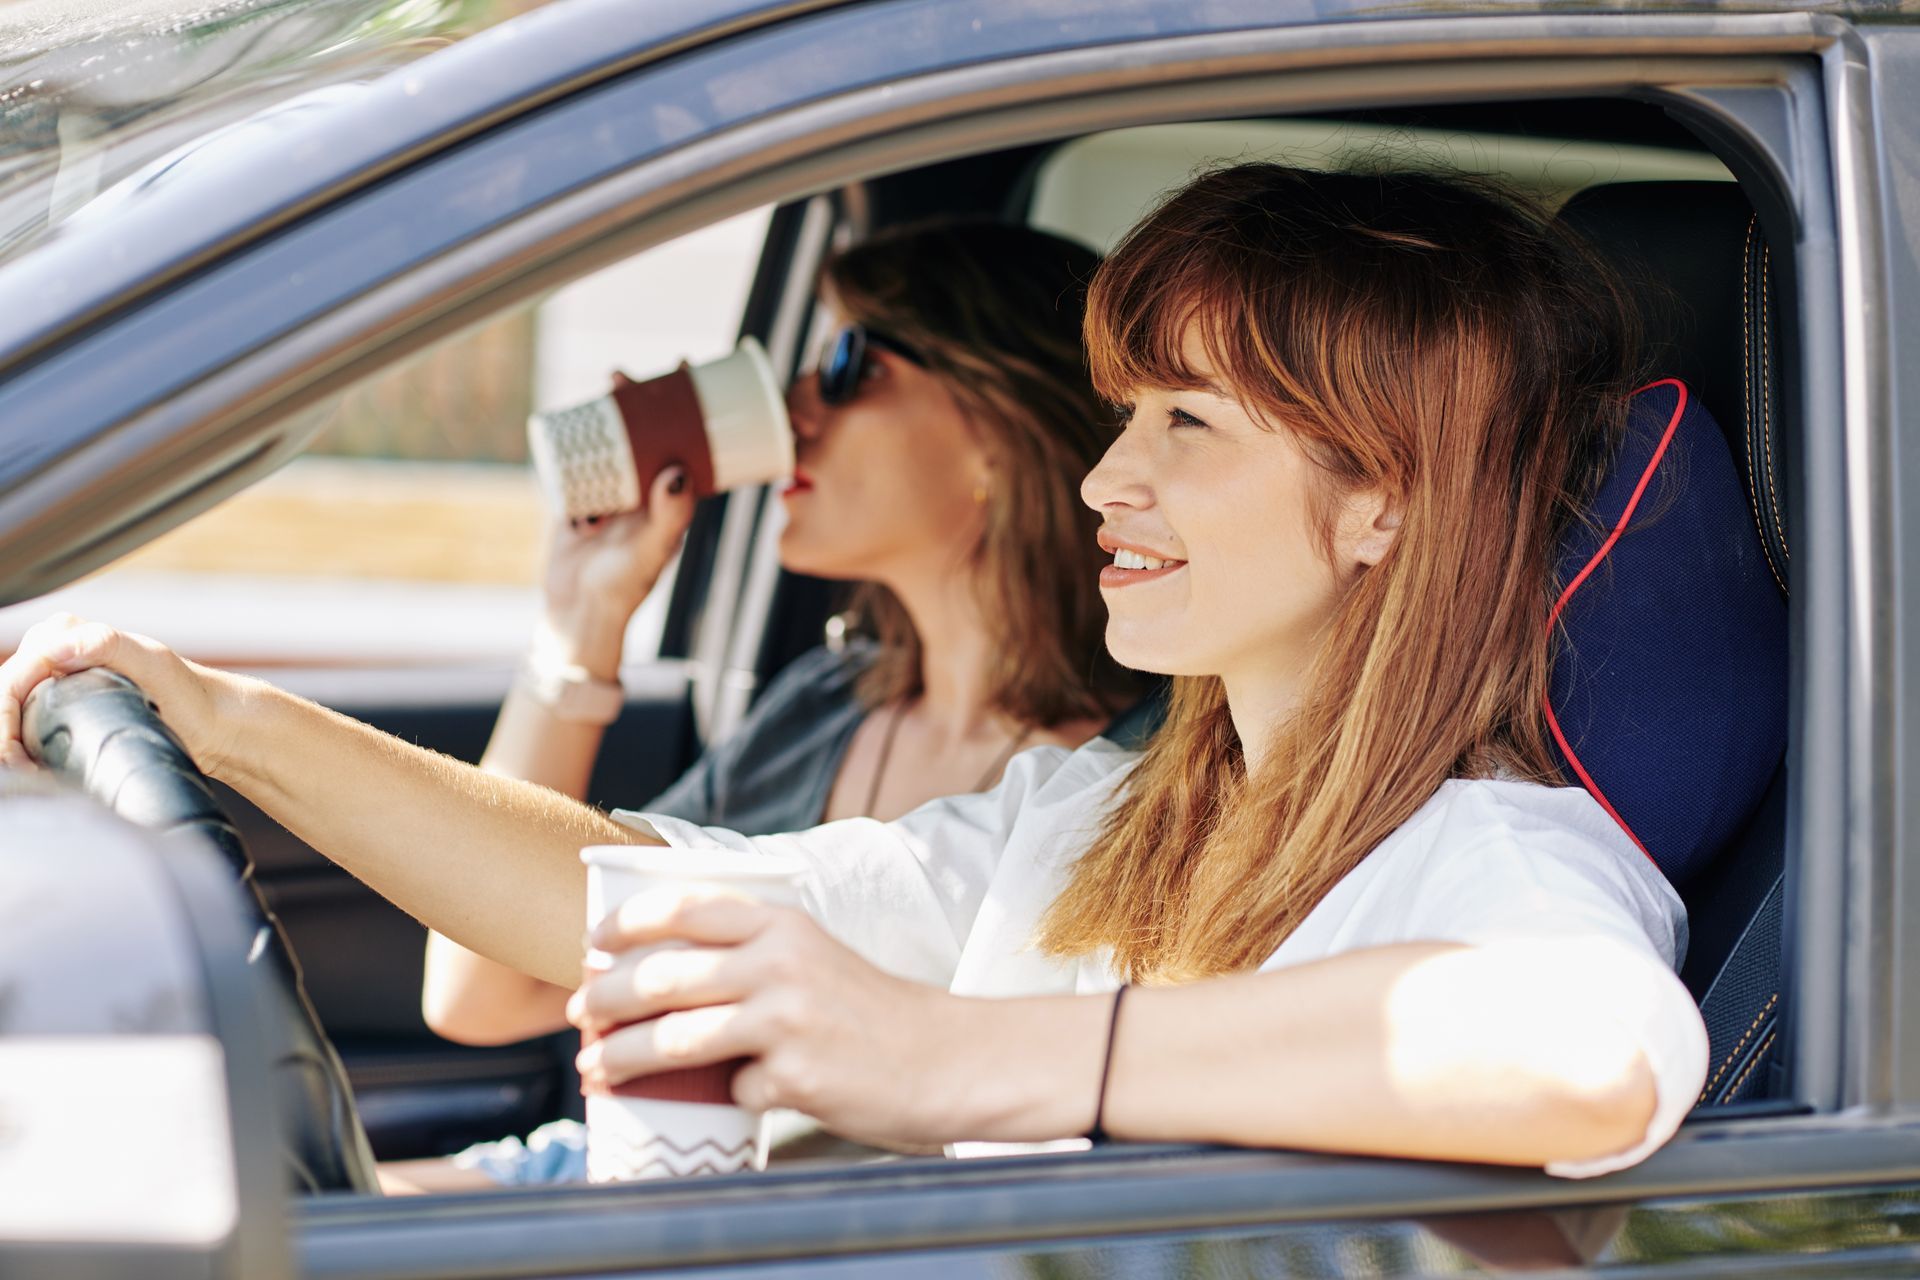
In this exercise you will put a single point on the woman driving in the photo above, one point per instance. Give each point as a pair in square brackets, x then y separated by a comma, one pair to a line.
[1351, 906]
[939, 445]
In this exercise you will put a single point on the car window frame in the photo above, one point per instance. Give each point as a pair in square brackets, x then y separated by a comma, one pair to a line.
[1873, 116]
[1838, 991]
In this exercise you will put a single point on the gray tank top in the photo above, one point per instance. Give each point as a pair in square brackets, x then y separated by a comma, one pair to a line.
[774, 772]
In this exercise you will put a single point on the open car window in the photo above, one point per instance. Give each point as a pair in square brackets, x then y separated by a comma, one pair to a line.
[1094, 186]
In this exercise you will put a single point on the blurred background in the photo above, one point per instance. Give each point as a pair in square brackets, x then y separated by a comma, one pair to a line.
[411, 530]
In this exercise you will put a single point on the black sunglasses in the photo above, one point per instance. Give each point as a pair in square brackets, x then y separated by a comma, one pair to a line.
[845, 363]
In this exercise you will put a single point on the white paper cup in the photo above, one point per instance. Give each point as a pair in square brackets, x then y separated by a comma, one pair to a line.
[724, 420]
[749, 436]
[677, 1123]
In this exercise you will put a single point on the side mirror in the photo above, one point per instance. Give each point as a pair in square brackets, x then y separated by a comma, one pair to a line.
[137, 1120]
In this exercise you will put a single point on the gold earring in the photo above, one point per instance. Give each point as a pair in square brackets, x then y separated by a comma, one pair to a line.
[980, 495]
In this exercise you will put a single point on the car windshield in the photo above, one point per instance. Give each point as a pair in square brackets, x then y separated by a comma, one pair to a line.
[94, 90]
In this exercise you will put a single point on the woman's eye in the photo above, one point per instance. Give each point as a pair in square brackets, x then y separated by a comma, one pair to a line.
[1122, 414]
[1181, 418]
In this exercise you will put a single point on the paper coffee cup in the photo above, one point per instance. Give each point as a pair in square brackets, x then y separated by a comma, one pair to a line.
[675, 1124]
[724, 420]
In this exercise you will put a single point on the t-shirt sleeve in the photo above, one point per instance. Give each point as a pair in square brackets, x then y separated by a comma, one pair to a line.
[903, 894]
[1543, 874]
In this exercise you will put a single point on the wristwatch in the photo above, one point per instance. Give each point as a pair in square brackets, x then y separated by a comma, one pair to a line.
[571, 692]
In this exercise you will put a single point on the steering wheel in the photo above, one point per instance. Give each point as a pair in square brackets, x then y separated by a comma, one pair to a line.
[97, 730]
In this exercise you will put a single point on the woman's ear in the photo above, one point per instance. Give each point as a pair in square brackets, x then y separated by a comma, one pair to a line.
[986, 476]
[1371, 524]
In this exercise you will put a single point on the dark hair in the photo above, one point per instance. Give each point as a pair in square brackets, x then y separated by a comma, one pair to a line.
[996, 311]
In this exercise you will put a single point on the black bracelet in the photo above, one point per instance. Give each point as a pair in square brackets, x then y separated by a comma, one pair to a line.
[1099, 1131]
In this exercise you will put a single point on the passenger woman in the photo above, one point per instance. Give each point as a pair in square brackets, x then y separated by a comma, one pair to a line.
[1352, 906]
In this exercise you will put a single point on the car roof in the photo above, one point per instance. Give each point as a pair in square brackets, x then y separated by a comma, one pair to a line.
[256, 141]
[95, 91]
[333, 123]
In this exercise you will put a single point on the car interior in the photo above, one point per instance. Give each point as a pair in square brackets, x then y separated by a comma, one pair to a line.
[1651, 195]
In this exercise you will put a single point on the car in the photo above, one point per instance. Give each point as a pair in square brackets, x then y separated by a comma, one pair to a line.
[352, 186]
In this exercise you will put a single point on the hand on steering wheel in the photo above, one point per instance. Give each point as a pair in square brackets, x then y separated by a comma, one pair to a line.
[186, 694]
[66, 697]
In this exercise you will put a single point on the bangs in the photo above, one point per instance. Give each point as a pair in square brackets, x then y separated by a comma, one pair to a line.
[1193, 305]
[1152, 302]
[1323, 303]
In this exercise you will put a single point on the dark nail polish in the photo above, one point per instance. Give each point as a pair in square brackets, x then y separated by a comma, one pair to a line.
[678, 484]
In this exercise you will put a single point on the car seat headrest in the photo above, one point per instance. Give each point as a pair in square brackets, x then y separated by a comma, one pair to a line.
[1678, 245]
[1699, 267]
[1668, 695]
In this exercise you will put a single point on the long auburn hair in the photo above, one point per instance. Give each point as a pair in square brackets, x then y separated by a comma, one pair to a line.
[1419, 337]
[996, 310]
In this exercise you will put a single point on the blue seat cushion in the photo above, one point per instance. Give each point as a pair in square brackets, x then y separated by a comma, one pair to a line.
[1668, 697]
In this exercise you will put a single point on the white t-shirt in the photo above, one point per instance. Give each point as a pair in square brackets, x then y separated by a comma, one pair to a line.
[952, 894]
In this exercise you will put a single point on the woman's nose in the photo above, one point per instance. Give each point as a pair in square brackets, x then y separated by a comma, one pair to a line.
[1119, 479]
[804, 408]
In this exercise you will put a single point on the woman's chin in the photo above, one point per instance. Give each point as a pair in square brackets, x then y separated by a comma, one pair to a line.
[797, 555]
[1148, 654]
[1135, 656]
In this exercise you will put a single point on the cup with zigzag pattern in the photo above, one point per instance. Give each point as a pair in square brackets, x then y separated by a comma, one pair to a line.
[674, 1124]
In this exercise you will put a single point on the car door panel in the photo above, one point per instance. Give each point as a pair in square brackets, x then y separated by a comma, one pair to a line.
[1173, 1211]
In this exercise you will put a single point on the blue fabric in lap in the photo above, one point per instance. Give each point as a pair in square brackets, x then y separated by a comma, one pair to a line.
[1668, 699]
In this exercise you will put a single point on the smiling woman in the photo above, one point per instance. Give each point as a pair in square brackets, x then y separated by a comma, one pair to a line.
[1412, 405]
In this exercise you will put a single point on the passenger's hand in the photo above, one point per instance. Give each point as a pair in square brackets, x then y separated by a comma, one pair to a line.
[597, 574]
[872, 1057]
[186, 693]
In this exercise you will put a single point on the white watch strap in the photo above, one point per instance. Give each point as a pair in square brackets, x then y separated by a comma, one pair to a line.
[571, 692]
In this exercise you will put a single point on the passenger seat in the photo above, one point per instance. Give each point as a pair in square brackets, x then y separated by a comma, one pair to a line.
[1703, 272]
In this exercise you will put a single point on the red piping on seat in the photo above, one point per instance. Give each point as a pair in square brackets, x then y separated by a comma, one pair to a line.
[1619, 527]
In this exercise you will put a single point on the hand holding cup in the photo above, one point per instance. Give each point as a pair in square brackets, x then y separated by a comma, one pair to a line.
[687, 976]
[599, 570]
[722, 422]
[660, 1011]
